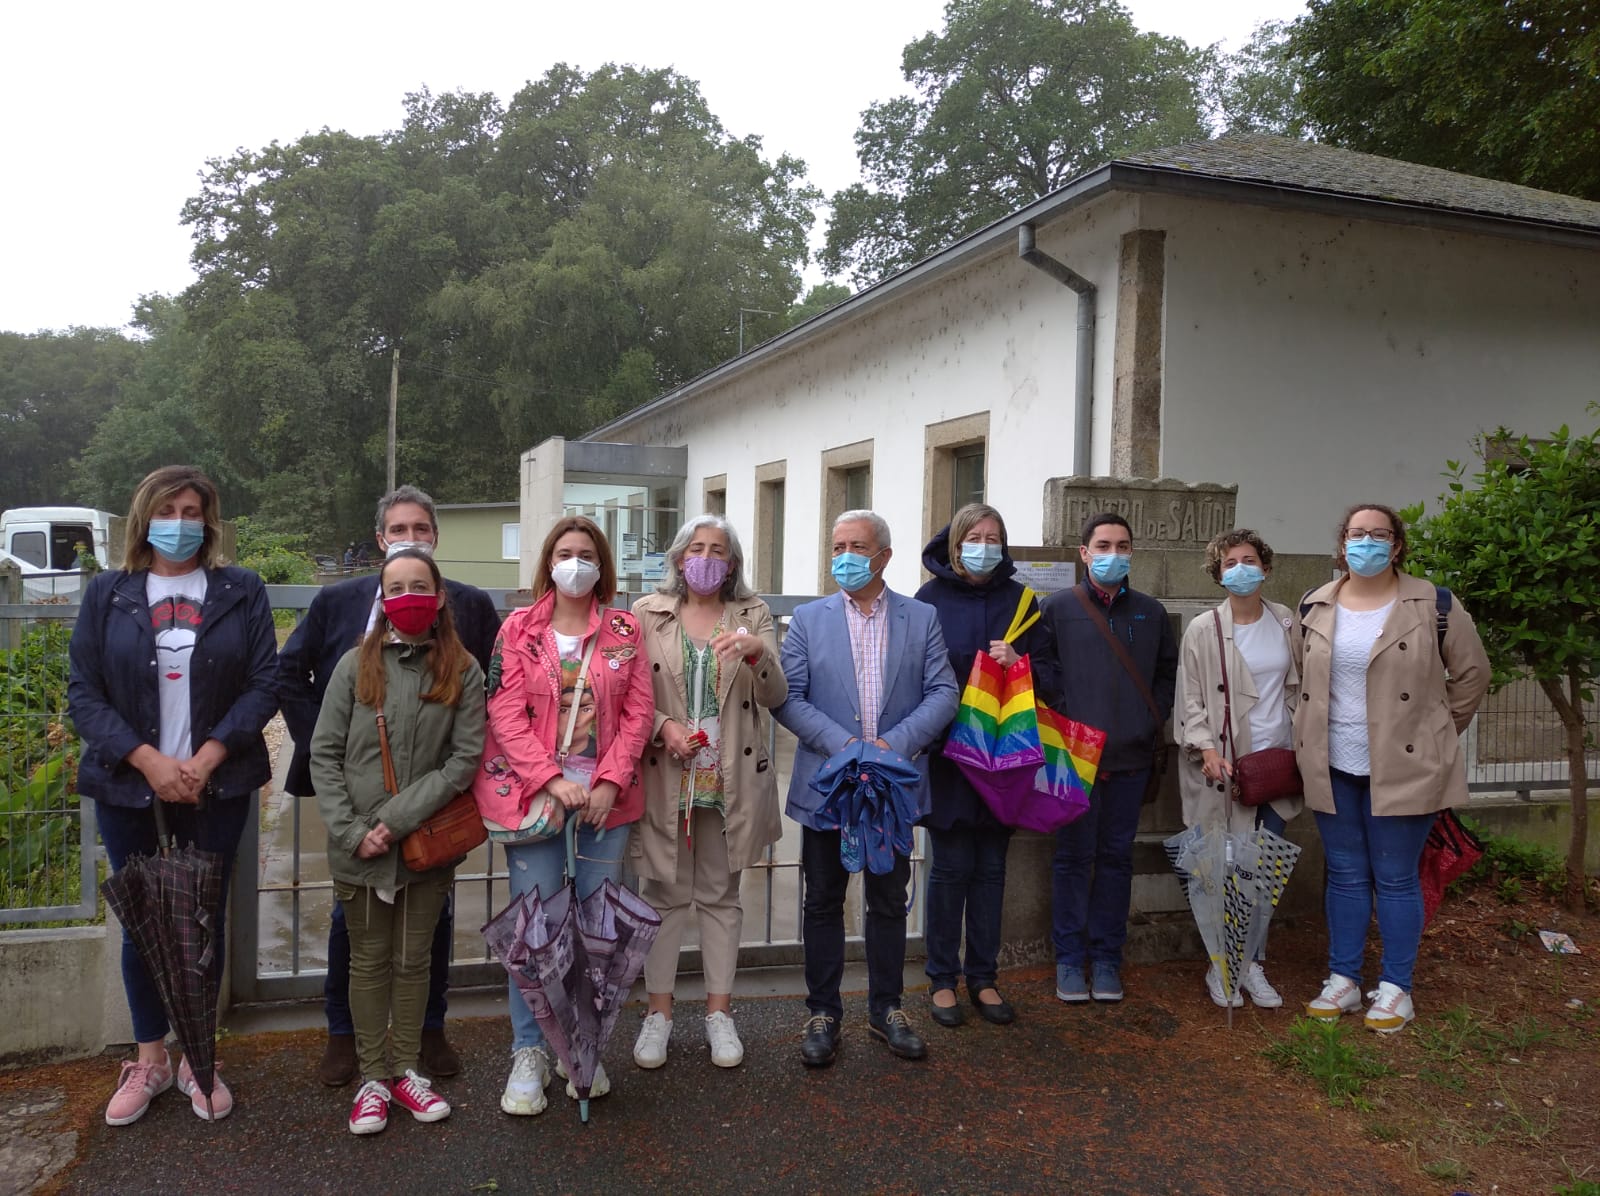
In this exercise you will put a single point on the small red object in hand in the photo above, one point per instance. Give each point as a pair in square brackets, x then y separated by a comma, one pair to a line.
[699, 741]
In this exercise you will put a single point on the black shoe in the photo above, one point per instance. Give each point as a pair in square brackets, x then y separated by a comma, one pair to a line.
[439, 1059]
[821, 1041]
[949, 1016]
[338, 1065]
[895, 1029]
[998, 1014]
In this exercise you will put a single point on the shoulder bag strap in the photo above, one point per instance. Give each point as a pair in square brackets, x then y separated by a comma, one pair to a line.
[1098, 618]
[577, 697]
[1227, 698]
[389, 783]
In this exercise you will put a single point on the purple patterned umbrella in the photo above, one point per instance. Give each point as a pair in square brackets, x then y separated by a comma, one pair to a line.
[573, 963]
[168, 904]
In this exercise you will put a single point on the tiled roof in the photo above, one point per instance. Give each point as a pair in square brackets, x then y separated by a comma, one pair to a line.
[1309, 166]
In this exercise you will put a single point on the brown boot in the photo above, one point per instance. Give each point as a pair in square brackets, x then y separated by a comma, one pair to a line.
[439, 1058]
[338, 1066]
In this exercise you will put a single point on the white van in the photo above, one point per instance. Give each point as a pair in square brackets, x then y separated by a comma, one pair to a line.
[50, 538]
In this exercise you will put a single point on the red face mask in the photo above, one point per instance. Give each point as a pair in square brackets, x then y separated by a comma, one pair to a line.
[411, 614]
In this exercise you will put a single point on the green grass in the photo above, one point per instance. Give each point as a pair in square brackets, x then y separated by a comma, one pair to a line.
[1324, 1052]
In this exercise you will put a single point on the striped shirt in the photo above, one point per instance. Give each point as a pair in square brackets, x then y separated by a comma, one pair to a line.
[869, 644]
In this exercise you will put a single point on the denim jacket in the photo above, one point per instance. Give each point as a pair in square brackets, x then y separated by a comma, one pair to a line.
[113, 696]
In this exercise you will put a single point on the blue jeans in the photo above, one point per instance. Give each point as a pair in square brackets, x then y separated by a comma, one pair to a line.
[215, 826]
[336, 986]
[967, 882]
[1369, 856]
[1093, 873]
[543, 866]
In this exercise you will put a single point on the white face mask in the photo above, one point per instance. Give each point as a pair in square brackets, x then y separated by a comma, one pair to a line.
[395, 546]
[575, 576]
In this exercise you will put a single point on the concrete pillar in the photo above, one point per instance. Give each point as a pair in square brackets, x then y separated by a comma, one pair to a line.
[1136, 386]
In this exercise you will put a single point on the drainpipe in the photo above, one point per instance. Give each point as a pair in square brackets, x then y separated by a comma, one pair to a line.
[1083, 385]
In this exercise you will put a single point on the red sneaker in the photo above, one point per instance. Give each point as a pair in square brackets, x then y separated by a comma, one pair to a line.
[370, 1113]
[417, 1094]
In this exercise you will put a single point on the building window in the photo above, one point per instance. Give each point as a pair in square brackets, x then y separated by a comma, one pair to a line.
[511, 541]
[955, 468]
[771, 515]
[966, 476]
[846, 486]
[716, 491]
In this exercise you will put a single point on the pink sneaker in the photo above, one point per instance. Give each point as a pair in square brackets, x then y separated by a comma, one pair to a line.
[417, 1094]
[221, 1099]
[139, 1084]
[370, 1113]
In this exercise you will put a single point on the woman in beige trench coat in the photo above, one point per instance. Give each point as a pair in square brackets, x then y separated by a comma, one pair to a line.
[1377, 731]
[1261, 689]
[711, 795]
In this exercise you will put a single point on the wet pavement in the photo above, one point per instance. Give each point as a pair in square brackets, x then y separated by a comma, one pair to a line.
[1101, 1099]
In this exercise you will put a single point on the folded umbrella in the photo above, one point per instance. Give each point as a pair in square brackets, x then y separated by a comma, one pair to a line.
[574, 963]
[168, 903]
[871, 794]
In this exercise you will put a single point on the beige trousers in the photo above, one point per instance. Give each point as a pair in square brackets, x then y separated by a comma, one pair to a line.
[703, 883]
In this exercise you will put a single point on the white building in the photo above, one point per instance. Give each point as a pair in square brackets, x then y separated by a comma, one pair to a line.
[1315, 325]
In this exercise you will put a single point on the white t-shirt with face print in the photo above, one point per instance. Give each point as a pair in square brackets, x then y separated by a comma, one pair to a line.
[177, 605]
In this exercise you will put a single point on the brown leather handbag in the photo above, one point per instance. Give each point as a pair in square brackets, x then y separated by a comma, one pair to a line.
[1258, 777]
[447, 834]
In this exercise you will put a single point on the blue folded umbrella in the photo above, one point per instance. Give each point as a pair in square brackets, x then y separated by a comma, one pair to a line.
[870, 794]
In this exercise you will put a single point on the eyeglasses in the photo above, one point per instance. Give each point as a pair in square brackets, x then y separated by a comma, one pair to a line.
[1381, 534]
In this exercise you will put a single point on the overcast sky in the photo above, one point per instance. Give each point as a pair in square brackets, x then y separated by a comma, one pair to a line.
[113, 109]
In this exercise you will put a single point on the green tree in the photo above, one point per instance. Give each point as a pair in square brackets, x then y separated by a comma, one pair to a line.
[55, 387]
[1520, 544]
[1506, 89]
[818, 300]
[1258, 87]
[1013, 98]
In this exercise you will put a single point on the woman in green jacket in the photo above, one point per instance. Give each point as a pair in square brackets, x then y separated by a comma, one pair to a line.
[413, 669]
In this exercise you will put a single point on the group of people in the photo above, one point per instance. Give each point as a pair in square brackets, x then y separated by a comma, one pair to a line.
[647, 727]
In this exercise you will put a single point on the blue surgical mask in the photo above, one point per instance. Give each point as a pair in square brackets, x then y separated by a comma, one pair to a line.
[1109, 568]
[1367, 557]
[177, 540]
[1243, 579]
[852, 571]
[980, 558]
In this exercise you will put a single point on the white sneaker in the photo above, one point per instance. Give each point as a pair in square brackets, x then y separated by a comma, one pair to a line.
[1214, 987]
[726, 1049]
[1262, 994]
[1339, 995]
[530, 1072]
[650, 1048]
[601, 1085]
[1391, 1009]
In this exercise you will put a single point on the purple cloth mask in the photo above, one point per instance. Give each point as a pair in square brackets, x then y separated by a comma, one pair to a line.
[705, 574]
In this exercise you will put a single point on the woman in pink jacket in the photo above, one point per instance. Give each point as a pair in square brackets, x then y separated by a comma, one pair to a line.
[543, 763]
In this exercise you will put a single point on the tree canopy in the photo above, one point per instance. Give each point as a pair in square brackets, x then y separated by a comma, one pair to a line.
[1013, 98]
[1506, 89]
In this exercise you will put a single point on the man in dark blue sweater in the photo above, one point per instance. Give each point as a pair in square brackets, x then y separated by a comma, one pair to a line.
[1113, 665]
[339, 616]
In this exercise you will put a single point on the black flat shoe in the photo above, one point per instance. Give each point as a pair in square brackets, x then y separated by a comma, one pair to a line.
[821, 1042]
[998, 1014]
[947, 1016]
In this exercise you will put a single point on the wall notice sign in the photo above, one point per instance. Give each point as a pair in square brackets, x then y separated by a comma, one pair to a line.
[1046, 577]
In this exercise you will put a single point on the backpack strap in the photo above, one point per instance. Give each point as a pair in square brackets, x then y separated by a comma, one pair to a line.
[1442, 599]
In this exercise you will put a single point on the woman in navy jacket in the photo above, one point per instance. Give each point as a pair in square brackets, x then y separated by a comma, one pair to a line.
[977, 597]
[172, 682]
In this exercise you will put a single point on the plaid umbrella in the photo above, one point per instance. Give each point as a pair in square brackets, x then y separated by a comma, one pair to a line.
[574, 962]
[168, 904]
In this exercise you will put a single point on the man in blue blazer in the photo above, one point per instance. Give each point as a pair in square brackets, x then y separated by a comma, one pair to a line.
[339, 616]
[871, 664]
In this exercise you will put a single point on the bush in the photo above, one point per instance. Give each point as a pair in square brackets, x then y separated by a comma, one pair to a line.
[278, 557]
[1513, 867]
